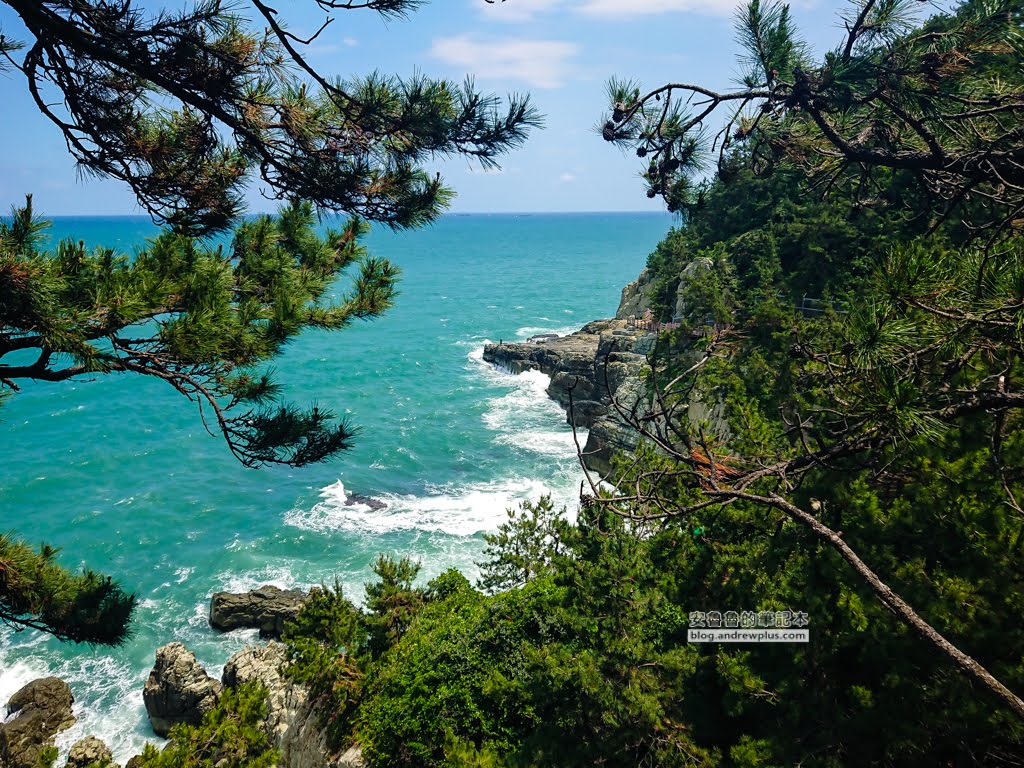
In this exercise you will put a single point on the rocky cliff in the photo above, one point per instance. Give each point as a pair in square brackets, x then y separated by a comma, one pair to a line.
[179, 690]
[592, 372]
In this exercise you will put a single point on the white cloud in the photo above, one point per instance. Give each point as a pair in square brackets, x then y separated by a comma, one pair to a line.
[514, 11]
[351, 42]
[567, 178]
[639, 7]
[539, 63]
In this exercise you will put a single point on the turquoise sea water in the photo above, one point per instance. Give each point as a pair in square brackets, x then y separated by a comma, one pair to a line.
[119, 472]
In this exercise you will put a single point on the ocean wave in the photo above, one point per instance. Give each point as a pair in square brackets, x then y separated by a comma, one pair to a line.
[456, 511]
[525, 417]
[108, 695]
[558, 444]
[526, 407]
[534, 330]
[279, 575]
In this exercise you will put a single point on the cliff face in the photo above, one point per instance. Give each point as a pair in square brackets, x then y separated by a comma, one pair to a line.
[593, 369]
[635, 300]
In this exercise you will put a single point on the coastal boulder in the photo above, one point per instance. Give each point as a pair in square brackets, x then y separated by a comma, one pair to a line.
[178, 689]
[90, 751]
[35, 714]
[266, 609]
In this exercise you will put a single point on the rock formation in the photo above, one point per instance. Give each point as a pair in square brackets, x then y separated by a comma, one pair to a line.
[266, 609]
[601, 361]
[291, 721]
[89, 751]
[35, 715]
[178, 689]
[635, 300]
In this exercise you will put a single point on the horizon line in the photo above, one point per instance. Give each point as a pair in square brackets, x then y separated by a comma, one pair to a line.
[443, 215]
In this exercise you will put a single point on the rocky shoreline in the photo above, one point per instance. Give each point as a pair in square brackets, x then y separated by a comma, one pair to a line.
[179, 690]
[591, 370]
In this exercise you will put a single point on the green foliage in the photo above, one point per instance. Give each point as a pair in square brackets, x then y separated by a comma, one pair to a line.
[231, 735]
[573, 668]
[888, 99]
[324, 642]
[523, 548]
[47, 757]
[37, 593]
[392, 601]
[199, 316]
[332, 643]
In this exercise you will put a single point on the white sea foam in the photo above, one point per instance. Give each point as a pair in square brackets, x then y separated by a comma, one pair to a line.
[278, 575]
[114, 713]
[456, 511]
[527, 418]
[13, 677]
[526, 406]
[534, 330]
[107, 691]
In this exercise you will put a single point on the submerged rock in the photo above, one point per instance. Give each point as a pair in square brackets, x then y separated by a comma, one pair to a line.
[37, 713]
[178, 689]
[266, 609]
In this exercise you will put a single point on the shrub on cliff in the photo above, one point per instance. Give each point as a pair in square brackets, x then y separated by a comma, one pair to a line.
[231, 735]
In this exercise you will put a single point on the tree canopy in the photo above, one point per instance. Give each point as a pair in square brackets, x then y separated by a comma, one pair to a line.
[184, 105]
[941, 102]
[914, 347]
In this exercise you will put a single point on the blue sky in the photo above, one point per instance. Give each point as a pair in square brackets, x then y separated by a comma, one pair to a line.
[561, 51]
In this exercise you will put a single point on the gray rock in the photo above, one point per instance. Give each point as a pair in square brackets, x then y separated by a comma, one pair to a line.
[610, 435]
[266, 609]
[89, 751]
[692, 275]
[635, 300]
[353, 758]
[265, 665]
[291, 721]
[38, 712]
[602, 362]
[178, 689]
